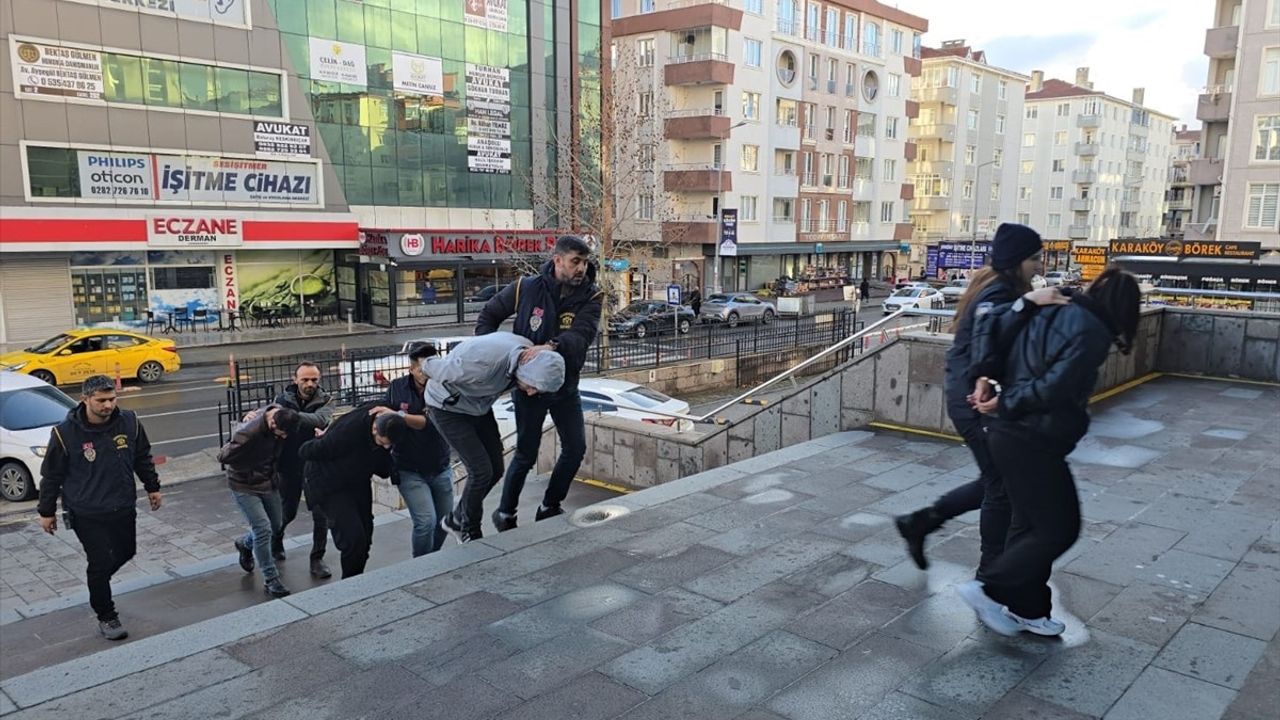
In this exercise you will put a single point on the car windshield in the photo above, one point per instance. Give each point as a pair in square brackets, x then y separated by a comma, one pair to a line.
[33, 407]
[636, 308]
[718, 298]
[51, 344]
[644, 397]
[906, 292]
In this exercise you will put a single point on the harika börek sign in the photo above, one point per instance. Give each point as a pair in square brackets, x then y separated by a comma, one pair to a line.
[187, 230]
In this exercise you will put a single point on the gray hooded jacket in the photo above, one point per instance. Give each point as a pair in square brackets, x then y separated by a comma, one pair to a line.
[478, 371]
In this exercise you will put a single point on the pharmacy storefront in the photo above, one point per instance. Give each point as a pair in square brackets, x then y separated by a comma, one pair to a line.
[73, 267]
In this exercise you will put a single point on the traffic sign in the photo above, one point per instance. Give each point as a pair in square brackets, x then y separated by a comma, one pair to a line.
[817, 248]
[675, 294]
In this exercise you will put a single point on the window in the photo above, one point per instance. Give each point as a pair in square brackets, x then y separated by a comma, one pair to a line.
[646, 157]
[1055, 220]
[811, 22]
[135, 80]
[886, 212]
[1060, 138]
[755, 7]
[1000, 124]
[1055, 192]
[850, 79]
[1270, 84]
[615, 7]
[997, 157]
[810, 111]
[1024, 193]
[894, 85]
[890, 170]
[843, 178]
[645, 104]
[1028, 139]
[1024, 218]
[842, 216]
[1028, 167]
[1002, 90]
[975, 83]
[995, 192]
[832, 35]
[848, 126]
[813, 70]
[971, 122]
[646, 6]
[966, 222]
[1266, 141]
[891, 127]
[953, 77]
[644, 210]
[747, 208]
[786, 110]
[966, 190]
[831, 122]
[850, 33]
[833, 72]
[1059, 165]
[750, 105]
[750, 160]
[1261, 207]
[751, 52]
[199, 277]
[644, 52]
[970, 154]
[895, 41]
[871, 39]
[1273, 13]
[1032, 112]
[1064, 109]
[867, 124]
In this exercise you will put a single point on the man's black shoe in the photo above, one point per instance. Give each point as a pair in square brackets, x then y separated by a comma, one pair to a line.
[504, 521]
[545, 512]
[275, 588]
[277, 547]
[450, 523]
[246, 556]
[914, 528]
[319, 569]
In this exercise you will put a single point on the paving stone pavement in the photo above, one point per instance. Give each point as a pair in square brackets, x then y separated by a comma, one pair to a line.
[778, 593]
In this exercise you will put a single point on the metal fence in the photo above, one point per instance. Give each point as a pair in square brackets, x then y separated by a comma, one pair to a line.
[759, 357]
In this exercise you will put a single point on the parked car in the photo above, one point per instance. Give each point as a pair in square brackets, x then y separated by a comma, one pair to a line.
[74, 355]
[361, 380]
[732, 308]
[651, 317]
[28, 408]
[1061, 277]
[905, 283]
[918, 298]
[1038, 282]
[619, 398]
[485, 294]
[952, 291]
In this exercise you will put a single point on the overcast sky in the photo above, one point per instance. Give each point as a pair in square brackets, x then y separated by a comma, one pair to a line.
[1154, 44]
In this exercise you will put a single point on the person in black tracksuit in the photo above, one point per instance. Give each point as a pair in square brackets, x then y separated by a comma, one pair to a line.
[1046, 361]
[340, 464]
[90, 463]
[1015, 259]
[315, 410]
[559, 310]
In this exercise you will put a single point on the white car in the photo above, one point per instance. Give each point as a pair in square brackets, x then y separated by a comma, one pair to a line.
[28, 408]
[614, 397]
[952, 291]
[913, 298]
[361, 380]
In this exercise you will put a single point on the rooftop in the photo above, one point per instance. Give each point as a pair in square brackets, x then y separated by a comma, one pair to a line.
[776, 588]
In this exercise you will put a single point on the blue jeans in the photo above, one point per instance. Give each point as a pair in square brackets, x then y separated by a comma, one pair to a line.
[566, 413]
[428, 499]
[264, 513]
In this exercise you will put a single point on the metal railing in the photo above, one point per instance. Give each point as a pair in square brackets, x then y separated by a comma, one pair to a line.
[697, 57]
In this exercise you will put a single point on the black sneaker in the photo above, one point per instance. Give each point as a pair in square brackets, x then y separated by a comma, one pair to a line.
[450, 523]
[275, 588]
[504, 521]
[277, 550]
[246, 556]
[914, 528]
[112, 629]
[545, 512]
[319, 569]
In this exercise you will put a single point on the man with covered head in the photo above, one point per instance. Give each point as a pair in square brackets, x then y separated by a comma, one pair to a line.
[461, 389]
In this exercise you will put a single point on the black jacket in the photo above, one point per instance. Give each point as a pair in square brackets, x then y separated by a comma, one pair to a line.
[542, 315]
[317, 413]
[91, 467]
[1049, 367]
[956, 382]
[252, 455]
[424, 451]
[344, 456]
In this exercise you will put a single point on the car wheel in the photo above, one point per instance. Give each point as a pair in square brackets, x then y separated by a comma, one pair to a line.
[642, 330]
[732, 320]
[150, 371]
[767, 317]
[684, 326]
[43, 376]
[15, 482]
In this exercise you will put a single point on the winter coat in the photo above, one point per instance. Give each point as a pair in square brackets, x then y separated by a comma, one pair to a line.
[251, 456]
[91, 467]
[344, 456]
[958, 362]
[314, 414]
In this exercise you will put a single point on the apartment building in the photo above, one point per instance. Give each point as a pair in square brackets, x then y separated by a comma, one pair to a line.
[1092, 167]
[1181, 194]
[790, 114]
[965, 173]
[1237, 177]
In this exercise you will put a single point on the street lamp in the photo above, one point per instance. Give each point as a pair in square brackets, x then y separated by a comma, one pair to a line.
[715, 287]
[973, 242]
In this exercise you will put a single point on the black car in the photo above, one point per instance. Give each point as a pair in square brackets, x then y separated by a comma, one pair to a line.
[650, 317]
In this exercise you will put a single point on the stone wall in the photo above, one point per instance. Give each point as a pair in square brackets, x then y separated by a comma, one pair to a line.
[1221, 343]
[698, 376]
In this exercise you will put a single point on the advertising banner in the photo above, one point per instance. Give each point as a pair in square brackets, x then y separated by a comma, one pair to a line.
[234, 180]
[1092, 260]
[185, 229]
[417, 74]
[40, 69]
[729, 232]
[488, 118]
[487, 14]
[1222, 250]
[220, 12]
[281, 139]
[962, 255]
[931, 262]
[340, 62]
[116, 175]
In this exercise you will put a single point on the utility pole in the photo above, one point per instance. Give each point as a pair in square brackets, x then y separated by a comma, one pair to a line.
[973, 241]
[715, 287]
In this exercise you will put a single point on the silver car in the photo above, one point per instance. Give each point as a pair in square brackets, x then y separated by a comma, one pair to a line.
[733, 308]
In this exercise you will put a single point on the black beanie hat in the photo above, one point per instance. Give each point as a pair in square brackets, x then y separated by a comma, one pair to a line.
[1012, 244]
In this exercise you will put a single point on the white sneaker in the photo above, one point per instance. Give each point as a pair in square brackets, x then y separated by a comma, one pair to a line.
[991, 613]
[1046, 626]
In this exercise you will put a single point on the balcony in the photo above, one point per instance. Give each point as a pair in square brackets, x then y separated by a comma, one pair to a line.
[909, 150]
[697, 124]
[929, 203]
[1078, 232]
[702, 69]
[1080, 204]
[907, 192]
[1206, 171]
[1132, 180]
[689, 231]
[697, 177]
[1139, 130]
[808, 180]
[911, 65]
[1084, 177]
[1182, 203]
[938, 167]
[1214, 104]
[684, 14]
[1200, 231]
[902, 231]
[1087, 148]
[1131, 206]
[1221, 42]
[1088, 122]
[943, 95]
[945, 133]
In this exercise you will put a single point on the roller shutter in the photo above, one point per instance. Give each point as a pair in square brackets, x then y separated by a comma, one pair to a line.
[35, 298]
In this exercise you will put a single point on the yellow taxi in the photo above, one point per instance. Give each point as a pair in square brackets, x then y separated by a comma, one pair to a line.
[77, 354]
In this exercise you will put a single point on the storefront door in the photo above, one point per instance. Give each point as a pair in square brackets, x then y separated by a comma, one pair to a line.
[374, 289]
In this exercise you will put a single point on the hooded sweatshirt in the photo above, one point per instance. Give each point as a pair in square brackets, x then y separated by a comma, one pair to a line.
[92, 466]
[478, 371]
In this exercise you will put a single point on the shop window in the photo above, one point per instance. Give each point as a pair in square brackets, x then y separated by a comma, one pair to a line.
[53, 172]
[199, 277]
[136, 80]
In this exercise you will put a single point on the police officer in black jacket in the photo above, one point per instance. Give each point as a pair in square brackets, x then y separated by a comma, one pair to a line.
[559, 310]
[90, 464]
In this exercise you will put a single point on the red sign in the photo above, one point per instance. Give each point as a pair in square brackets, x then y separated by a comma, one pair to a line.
[475, 245]
[230, 292]
[194, 231]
